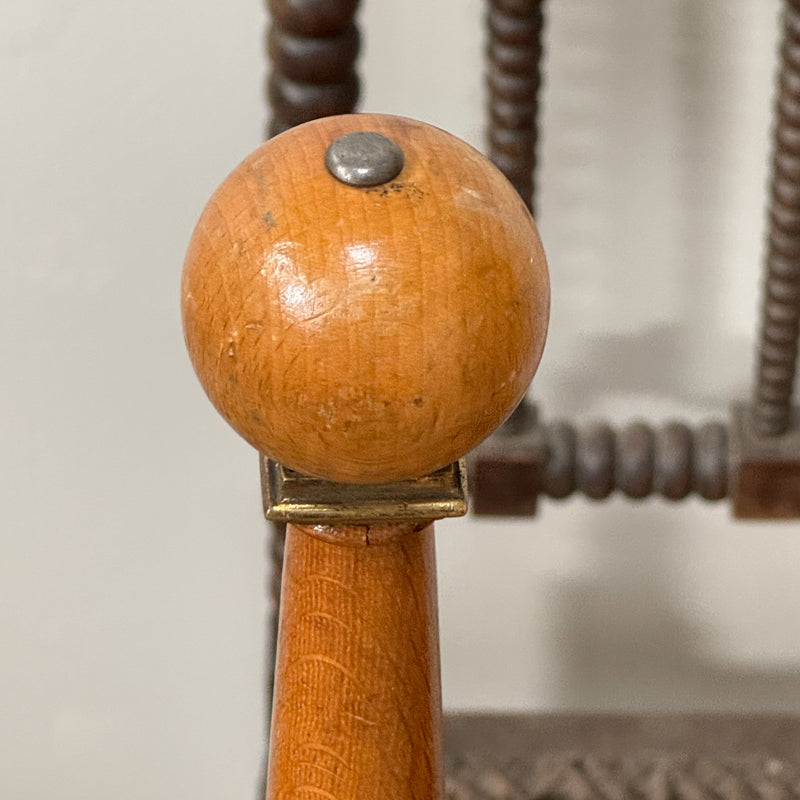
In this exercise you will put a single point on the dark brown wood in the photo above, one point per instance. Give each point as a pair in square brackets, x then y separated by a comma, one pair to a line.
[514, 79]
[635, 460]
[594, 461]
[780, 316]
[357, 712]
[674, 445]
[316, 18]
[765, 480]
[526, 459]
[312, 46]
[313, 60]
[507, 469]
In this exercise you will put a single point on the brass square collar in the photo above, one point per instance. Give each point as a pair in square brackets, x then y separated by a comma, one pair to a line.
[291, 496]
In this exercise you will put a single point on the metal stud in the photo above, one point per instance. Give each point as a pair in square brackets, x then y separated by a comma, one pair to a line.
[364, 158]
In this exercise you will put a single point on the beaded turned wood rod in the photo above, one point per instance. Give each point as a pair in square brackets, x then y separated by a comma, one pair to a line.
[514, 79]
[365, 298]
[526, 460]
[312, 47]
[780, 316]
[673, 461]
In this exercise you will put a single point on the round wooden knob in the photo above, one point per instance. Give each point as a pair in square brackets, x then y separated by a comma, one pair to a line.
[365, 330]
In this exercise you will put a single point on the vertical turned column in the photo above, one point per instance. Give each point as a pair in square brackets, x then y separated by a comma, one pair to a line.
[781, 303]
[514, 79]
[312, 46]
[365, 298]
[358, 702]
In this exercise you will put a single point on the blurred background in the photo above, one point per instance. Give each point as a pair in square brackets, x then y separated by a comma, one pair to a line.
[133, 562]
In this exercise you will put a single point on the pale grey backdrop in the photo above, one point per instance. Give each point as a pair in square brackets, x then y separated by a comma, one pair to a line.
[133, 570]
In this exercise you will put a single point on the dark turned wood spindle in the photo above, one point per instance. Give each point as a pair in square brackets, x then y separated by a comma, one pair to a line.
[526, 461]
[638, 461]
[312, 47]
[780, 320]
[514, 79]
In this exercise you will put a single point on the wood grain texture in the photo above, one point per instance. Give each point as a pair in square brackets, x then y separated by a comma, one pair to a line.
[365, 335]
[357, 710]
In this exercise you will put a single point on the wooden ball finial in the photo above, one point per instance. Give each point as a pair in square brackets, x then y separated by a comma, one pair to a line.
[365, 333]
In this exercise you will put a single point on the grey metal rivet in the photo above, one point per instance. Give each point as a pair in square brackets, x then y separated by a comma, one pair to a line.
[364, 158]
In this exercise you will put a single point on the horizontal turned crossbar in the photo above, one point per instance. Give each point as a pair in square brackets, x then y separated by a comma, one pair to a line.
[527, 459]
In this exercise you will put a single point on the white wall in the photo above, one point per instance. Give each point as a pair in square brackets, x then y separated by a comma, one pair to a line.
[132, 553]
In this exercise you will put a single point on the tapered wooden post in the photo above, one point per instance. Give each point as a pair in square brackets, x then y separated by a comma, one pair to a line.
[365, 298]
[357, 703]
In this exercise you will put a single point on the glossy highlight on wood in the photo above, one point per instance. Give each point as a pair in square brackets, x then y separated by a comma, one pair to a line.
[365, 335]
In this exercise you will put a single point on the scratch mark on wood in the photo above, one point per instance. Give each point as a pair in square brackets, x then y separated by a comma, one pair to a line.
[322, 748]
[314, 790]
[314, 765]
[331, 662]
[328, 579]
[360, 719]
[326, 615]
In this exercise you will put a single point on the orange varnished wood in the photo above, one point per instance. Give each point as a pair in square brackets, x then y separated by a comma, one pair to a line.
[365, 335]
[357, 712]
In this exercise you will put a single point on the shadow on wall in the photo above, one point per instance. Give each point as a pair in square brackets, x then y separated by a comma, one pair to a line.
[659, 362]
[652, 192]
[653, 218]
[626, 642]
